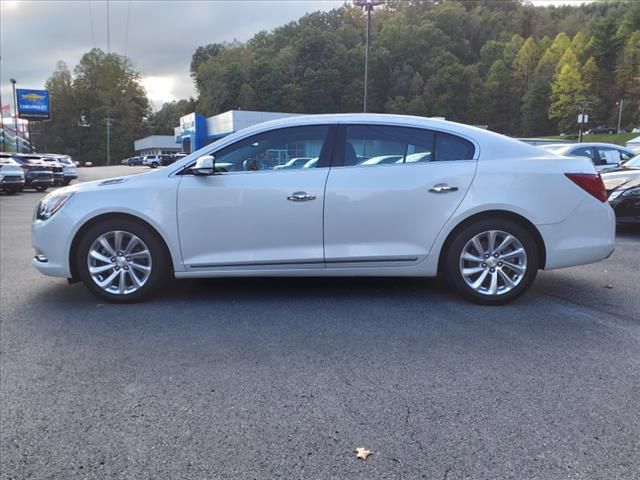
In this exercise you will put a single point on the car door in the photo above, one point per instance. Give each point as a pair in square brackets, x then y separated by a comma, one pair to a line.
[391, 213]
[251, 214]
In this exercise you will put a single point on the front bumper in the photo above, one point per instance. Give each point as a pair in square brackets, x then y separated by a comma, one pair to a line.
[52, 239]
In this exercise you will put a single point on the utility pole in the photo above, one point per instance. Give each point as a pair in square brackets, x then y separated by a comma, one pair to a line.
[582, 118]
[109, 122]
[15, 111]
[368, 5]
[619, 103]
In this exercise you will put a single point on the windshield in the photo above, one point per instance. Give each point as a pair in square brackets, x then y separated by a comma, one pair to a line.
[633, 163]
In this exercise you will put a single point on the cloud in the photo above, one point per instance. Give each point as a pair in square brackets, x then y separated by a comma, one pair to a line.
[160, 38]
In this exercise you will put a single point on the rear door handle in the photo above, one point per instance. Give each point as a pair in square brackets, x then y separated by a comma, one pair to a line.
[443, 188]
[300, 197]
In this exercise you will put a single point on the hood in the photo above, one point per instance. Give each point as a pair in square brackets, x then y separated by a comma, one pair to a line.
[113, 182]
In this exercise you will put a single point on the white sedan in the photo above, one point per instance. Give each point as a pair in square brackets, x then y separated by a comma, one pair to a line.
[485, 210]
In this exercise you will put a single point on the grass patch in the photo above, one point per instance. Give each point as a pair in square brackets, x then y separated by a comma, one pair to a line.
[601, 138]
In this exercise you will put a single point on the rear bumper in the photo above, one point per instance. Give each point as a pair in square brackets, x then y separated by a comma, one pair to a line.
[587, 235]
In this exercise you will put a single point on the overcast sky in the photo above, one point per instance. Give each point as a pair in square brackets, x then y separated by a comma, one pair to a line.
[160, 39]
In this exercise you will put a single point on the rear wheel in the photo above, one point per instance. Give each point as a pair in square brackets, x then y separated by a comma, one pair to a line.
[41, 188]
[66, 182]
[122, 261]
[154, 165]
[492, 261]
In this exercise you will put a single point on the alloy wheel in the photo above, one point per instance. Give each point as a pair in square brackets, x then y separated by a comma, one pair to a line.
[119, 262]
[493, 262]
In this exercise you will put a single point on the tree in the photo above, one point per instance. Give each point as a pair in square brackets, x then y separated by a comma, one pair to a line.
[535, 121]
[550, 58]
[628, 74]
[525, 62]
[568, 90]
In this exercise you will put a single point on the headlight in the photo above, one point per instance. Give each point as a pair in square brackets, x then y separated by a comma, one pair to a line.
[51, 204]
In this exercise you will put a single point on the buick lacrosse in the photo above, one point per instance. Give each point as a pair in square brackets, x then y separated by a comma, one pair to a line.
[484, 210]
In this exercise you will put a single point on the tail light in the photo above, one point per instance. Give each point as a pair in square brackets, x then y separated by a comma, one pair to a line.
[590, 183]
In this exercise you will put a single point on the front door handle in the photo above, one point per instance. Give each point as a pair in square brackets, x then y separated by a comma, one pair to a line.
[300, 197]
[443, 188]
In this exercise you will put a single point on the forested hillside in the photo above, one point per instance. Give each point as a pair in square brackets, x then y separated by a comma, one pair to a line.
[520, 69]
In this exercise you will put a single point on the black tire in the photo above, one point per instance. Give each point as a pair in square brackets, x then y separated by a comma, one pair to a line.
[66, 182]
[462, 237]
[41, 188]
[10, 191]
[154, 165]
[161, 262]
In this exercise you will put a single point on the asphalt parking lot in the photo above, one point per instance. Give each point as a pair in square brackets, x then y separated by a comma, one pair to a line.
[285, 378]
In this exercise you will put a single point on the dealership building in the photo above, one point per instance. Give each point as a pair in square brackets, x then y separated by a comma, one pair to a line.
[195, 131]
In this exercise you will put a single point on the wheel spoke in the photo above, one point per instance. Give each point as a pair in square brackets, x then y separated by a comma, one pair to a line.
[491, 241]
[105, 244]
[473, 270]
[144, 253]
[478, 245]
[117, 241]
[136, 281]
[101, 269]
[99, 256]
[505, 242]
[133, 241]
[514, 267]
[515, 253]
[107, 281]
[507, 281]
[493, 286]
[478, 283]
[471, 258]
[137, 266]
[122, 282]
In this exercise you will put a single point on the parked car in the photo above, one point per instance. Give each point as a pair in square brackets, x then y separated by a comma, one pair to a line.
[37, 174]
[623, 191]
[56, 168]
[485, 210]
[88, 164]
[601, 129]
[69, 167]
[603, 155]
[134, 161]
[155, 161]
[11, 175]
[297, 162]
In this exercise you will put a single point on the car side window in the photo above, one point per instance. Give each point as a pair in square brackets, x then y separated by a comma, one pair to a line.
[371, 145]
[584, 152]
[281, 149]
[609, 155]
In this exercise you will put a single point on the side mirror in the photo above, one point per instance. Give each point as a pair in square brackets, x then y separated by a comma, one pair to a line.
[204, 165]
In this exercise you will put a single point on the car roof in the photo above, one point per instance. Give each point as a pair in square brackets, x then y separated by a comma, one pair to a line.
[489, 145]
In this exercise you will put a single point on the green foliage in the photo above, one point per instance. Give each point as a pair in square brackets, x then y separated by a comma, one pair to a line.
[102, 85]
[487, 62]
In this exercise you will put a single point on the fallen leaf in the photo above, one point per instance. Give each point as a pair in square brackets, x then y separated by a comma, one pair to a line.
[362, 453]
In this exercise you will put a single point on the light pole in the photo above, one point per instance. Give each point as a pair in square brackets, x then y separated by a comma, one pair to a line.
[619, 104]
[368, 5]
[15, 112]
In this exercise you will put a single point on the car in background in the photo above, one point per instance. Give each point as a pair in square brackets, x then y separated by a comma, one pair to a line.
[601, 129]
[69, 167]
[134, 161]
[37, 173]
[155, 161]
[485, 210]
[56, 168]
[297, 162]
[624, 196]
[11, 175]
[88, 164]
[603, 155]
[382, 160]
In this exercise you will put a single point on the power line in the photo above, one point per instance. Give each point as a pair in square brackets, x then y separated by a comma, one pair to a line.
[93, 35]
[108, 30]
[126, 31]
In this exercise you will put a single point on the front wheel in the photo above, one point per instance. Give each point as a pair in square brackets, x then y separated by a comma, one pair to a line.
[122, 261]
[41, 188]
[492, 262]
